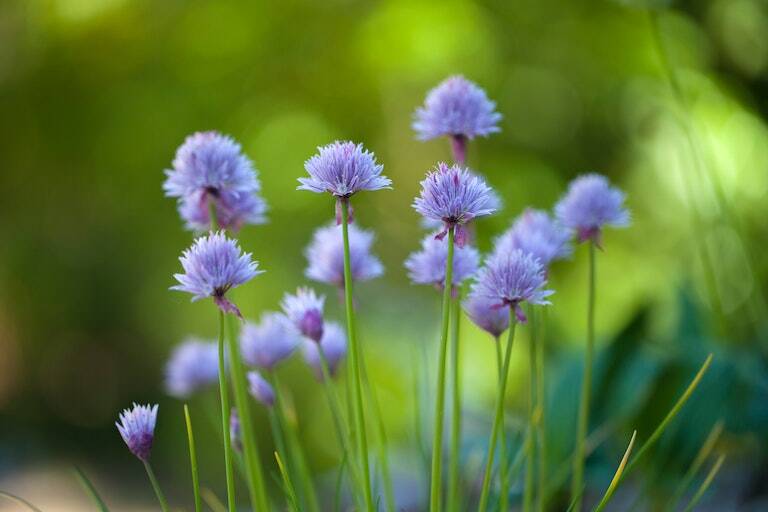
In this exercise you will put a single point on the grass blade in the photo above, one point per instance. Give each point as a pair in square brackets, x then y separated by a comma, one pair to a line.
[19, 500]
[704, 452]
[193, 460]
[705, 484]
[213, 502]
[90, 489]
[617, 477]
[292, 501]
[671, 414]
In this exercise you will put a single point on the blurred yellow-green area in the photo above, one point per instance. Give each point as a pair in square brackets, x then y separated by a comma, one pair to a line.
[670, 103]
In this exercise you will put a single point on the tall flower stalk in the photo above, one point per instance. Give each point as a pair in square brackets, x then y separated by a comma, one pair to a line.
[437, 431]
[590, 204]
[508, 279]
[454, 474]
[354, 359]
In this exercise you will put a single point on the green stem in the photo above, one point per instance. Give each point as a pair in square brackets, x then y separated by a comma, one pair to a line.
[454, 483]
[255, 478]
[193, 460]
[541, 399]
[91, 490]
[437, 433]
[529, 438]
[226, 409]
[381, 445]
[499, 416]
[293, 449]
[337, 414]
[705, 484]
[577, 482]
[504, 471]
[359, 411]
[156, 486]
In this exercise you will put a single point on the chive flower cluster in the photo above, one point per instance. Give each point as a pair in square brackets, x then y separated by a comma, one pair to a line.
[218, 191]
[211, 174]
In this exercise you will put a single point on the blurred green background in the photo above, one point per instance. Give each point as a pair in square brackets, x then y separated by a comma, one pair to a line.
[96, 95]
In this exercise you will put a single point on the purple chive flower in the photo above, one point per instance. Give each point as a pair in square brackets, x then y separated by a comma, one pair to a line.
[261, 389]
[270, 341]
[235, 433]
[454, 196]
[137, 428]
[486, 315]
[536, 232]
[325, 255]
[427, 266]
[589, 204]
[305, 310]
[233, 209]
[459, 109]
[193, 364]
[334, 344]
[342, 169]
[510, 278]
[211, 167]
[212, 266]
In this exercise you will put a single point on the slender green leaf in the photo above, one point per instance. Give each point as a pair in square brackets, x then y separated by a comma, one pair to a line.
[617, 476]
[90, 489]
[705, 484]
[193, 460]
[213, 502]
[704, 452]
[292, 500]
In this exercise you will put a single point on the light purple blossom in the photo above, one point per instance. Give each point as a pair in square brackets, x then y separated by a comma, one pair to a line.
[260, 389]
[137, 428]
[212, 266]
[487, 315]
[342, 169]
[536, 232]
[233, 209]
[510, 278]
[305, 310]
[193, 364]
[235, 431]
[454, 196]
[270, 341]
[456, 107]
[589, 204]
[428, 265]
[334, 344]
[325, 255]
[211, 167]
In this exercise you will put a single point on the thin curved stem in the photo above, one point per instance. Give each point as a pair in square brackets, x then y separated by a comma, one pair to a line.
[359, 411]
[156, 487]
[577, 483]
[437, 433]
[193, 460]
[529, 438]
[498, 418]
[255, 478]
[504, 469]
[91, 490]
[541, 404]
[704, 452]
[454, 475]
[19, 500]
